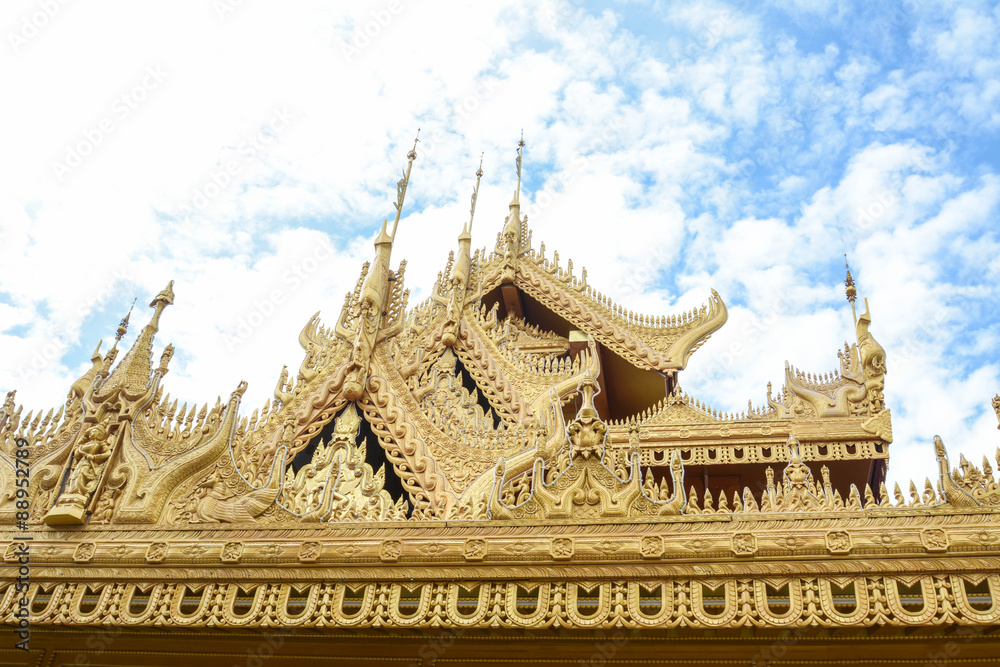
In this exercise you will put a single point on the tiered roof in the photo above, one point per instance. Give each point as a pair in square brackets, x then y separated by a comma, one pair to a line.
[515, 419]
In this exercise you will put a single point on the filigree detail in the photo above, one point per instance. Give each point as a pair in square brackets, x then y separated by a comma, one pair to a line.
[194, 550]
[231, 552]
[562, 548]
[810, 601]
[337, 484]
[84, 552]
[791, 542]
[390, 551]
[586, 488]
[744, 544]
[934, 540]
[156, 552]
[651, 546]
[309, 552]
[839, 542]
[474, 550]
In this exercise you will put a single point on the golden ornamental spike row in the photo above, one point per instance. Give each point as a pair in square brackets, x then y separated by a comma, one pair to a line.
[672, 601]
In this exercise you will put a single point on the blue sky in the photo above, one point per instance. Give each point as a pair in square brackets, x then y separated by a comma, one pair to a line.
[249, 152]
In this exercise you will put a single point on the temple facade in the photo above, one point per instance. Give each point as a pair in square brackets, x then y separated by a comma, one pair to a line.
[509, 472]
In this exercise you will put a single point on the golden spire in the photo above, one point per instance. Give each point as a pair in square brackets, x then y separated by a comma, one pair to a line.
[852, 291]
[131, 376]
[520, 149]
[475, 192]
[122, 326]
[403, 182]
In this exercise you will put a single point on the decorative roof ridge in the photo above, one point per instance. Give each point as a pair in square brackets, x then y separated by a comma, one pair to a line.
[612, 310]
[963, 487]
[678, 396]
[820, 381]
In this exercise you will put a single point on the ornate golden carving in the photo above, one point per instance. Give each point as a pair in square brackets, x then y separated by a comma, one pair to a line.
[309, 552]
[839, 542]
[934, 539]
[744, 544]
[390, 551]
[156, 552]
[586, 488]
[651, 546]
[89, 461]
[231, 552]
[519, 519]
[562, 548]
[337, 484]
[84, 552]
[475, 550]
[871, 601]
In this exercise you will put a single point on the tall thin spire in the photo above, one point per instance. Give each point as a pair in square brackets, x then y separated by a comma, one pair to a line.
[850, 289]
[475, 193]
[520, 149]
[403, 182]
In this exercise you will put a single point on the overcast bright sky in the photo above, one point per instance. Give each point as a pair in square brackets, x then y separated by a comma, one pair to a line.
[672, 148]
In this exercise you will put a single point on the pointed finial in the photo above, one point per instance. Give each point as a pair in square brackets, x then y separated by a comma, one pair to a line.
[475, 193]
[587, 432]
[166, 296]
[161, 301]
[403, 182]
[520, 149]
[850, 288]
[123, 325]
[412, 155]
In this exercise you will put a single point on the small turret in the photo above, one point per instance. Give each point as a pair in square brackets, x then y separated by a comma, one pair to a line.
[460, 271]
[511, 240]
